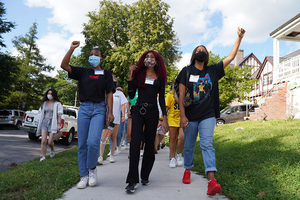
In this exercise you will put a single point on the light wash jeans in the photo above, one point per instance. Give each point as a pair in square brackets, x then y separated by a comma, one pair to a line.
[125, 132]
[90, 123]
[206, 132]
[120, 132]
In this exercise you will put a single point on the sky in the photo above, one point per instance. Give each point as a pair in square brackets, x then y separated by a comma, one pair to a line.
[212, 23]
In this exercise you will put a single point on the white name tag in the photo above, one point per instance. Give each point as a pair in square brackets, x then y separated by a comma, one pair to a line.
[99, 72]
[194, 78]
[149, 81]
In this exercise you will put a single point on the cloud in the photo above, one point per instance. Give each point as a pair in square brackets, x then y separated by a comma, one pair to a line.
[69, 14]
[213, 22]
[54, 46]
[185, 60]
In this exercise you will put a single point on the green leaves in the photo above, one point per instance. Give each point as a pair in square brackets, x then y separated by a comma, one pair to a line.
[124, 32]
[29, 81]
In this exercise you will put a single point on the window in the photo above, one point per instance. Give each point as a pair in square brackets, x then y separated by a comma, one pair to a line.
[270, 78]
[243, 108]
[265, 79]
[5, 112]
[234, 109]
[16, 113]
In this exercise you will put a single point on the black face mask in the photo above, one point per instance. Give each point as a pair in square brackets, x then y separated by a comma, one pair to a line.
[115, 84]
[201, 56]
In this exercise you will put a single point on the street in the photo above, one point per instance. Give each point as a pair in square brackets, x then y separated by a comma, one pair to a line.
[16, 147]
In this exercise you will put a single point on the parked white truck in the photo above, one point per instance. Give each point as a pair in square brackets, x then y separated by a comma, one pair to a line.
[68, 122]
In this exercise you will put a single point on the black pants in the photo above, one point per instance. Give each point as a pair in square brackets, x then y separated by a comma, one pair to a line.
[150, 120]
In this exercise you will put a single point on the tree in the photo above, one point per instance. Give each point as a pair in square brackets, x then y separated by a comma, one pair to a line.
[124, 32]
[4, 25]
[31, 82]
[8, 66]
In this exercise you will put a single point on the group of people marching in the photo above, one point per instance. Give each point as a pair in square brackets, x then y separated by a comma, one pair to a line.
[150, 113]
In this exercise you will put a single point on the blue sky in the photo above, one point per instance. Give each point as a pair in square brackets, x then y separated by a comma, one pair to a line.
[212, 23]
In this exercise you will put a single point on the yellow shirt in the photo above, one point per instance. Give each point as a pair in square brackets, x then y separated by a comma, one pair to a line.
[174, 112]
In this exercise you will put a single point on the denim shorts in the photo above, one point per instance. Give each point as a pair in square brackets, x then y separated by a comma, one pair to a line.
[46, 124]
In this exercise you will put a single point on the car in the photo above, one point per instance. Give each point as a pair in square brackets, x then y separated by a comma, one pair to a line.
[68, 123]
[11, 117]
[235, 113]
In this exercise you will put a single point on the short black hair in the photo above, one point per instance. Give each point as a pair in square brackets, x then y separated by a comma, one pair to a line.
[97, 50]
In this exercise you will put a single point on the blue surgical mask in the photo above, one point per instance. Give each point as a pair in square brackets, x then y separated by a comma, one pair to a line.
[94, 60]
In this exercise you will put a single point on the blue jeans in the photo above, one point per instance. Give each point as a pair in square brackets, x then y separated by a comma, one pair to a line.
[90, 123]
[125, 132]
[120, 132]
[206, 129]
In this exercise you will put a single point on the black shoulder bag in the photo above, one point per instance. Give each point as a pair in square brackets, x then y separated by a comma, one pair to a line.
[187, 100]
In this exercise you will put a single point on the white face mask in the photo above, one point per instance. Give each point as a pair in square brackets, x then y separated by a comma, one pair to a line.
[49, 96]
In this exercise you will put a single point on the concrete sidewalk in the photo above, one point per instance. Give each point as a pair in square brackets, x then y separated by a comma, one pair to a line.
[165, 182]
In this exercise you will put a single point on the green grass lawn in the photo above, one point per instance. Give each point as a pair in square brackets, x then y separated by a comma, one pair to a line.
[263, 160]
[42, 180]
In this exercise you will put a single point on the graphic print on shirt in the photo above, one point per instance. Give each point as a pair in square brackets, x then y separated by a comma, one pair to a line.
[201, 89]
[176, 113]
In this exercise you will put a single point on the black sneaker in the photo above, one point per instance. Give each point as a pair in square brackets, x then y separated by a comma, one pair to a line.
[145, 182]
[131, 188]
[163, 145]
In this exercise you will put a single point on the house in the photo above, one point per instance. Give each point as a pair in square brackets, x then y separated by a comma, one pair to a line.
[279, 77]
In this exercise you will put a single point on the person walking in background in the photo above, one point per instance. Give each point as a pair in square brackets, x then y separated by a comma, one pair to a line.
[174, 130]
[49, 116]
[93, 84]
[201, 115]
[122, 124]
[149, 76]
[119, 101]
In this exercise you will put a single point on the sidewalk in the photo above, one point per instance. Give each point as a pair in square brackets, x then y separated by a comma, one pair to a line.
[165, 182]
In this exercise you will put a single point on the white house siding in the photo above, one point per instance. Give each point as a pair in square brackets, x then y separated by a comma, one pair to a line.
[293, 97]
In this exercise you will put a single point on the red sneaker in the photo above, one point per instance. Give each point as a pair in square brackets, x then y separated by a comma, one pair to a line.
[213, 187]
[186, 177]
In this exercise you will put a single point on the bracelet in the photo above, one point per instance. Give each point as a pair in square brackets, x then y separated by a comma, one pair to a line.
[161, 119]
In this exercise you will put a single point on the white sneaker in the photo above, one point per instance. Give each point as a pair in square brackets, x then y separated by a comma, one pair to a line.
[108, 154]
[83, 182]
[173, 163]
[100, 160]
[126, 146]
[112, 160]
[118, 151]
[52, 153]
[93, 177]
[42, 158]
[141, 152]
[179, 160]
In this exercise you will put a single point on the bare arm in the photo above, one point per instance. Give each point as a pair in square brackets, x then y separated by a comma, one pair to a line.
[183, 120]
[110, 106]
[65, 62]
[123, 112]
[235, 48]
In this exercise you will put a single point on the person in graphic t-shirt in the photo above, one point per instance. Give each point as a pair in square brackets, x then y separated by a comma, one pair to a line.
[93, 84]
[201, 115]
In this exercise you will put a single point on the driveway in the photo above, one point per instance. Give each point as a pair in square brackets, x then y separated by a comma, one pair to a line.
[16, 147]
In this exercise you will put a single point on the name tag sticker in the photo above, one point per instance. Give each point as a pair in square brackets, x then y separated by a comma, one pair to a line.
[194, 78]
[149, 81]
[99, 72]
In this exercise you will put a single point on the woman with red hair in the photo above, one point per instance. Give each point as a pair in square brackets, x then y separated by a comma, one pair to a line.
[149, 76]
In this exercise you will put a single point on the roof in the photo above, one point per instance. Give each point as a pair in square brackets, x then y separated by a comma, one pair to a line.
[293, 54]
[285, 24]
[289, 31]
[248, 56]
[267, 59]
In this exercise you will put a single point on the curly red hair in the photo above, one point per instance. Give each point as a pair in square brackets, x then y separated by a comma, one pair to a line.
[139, 74]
